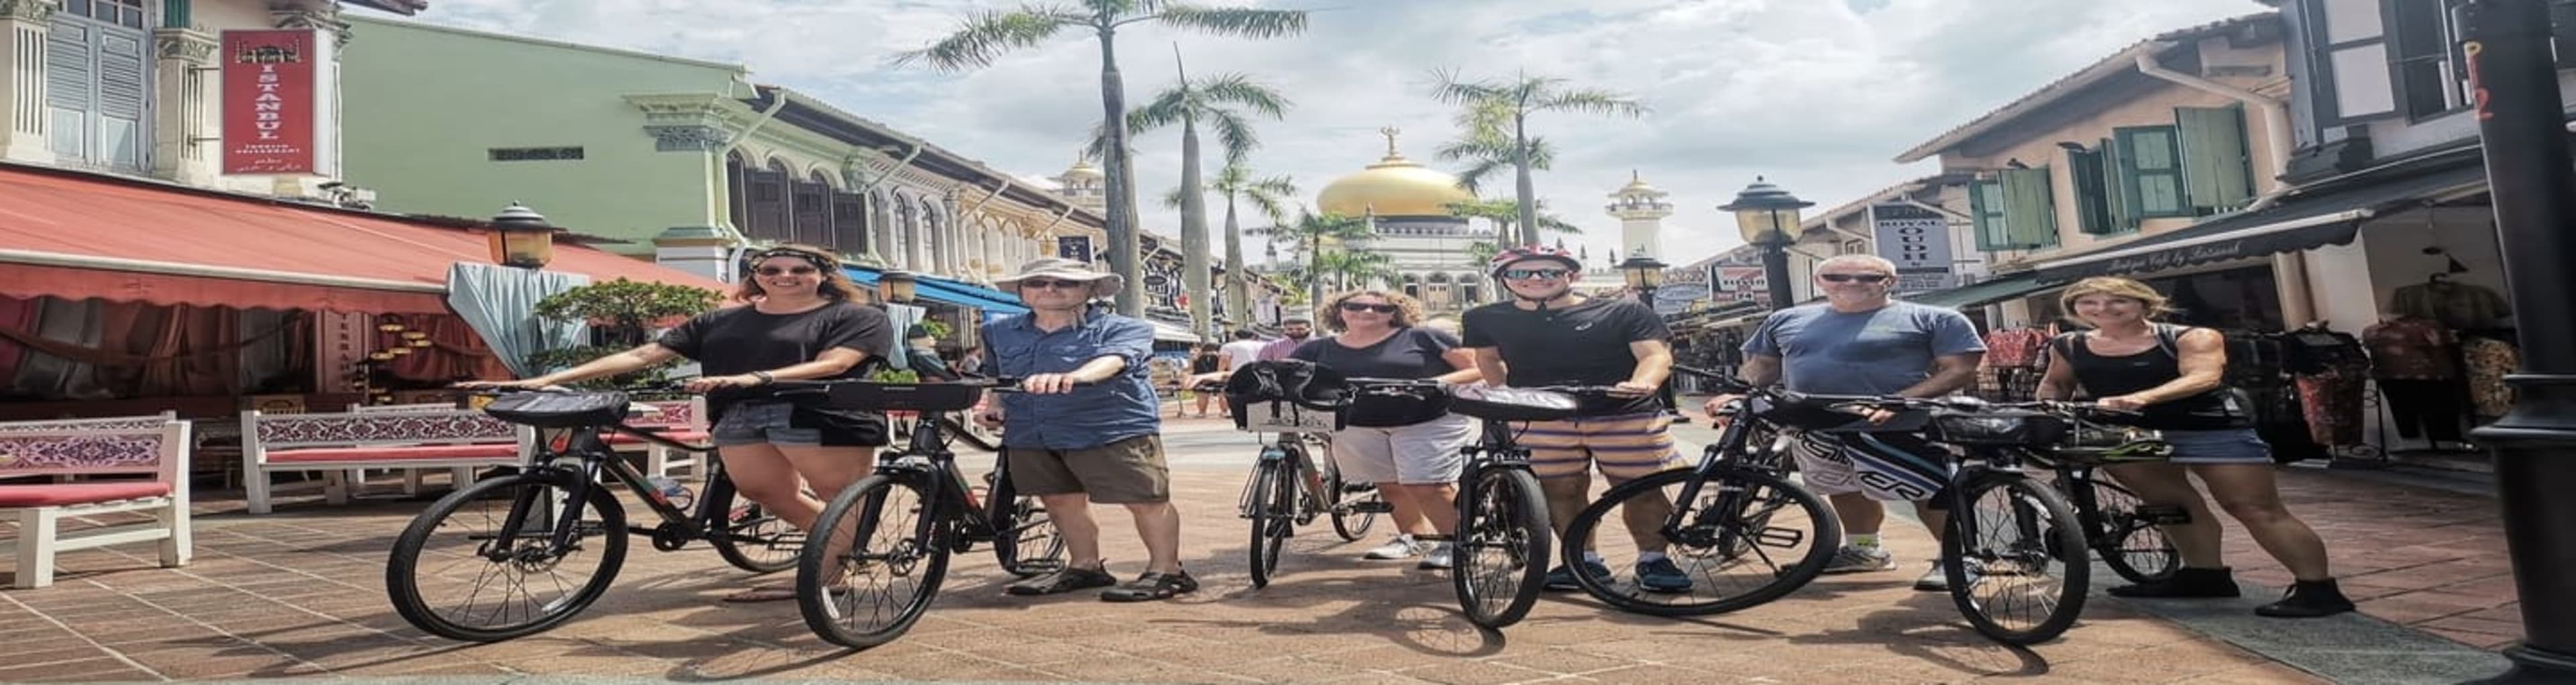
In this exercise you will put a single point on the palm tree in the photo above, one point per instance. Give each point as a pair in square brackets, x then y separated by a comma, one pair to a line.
[984, 37]
[1353, 268]
[1505, 214]
[1498, 112]
[1311, 236]
[1269, 199]
[1488, 155]
[1225, 101]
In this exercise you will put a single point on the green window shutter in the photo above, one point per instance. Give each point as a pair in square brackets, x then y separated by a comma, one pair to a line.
[2217, 167]
[2092, 192]
[2030, 208]
[1986, 202]
[2124, 213]
[2151, 171]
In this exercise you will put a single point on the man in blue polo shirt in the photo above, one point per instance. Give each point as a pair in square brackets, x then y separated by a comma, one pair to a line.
[1088, 429]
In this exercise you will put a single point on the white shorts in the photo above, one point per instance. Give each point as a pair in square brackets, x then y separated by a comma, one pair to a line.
[1425, 453]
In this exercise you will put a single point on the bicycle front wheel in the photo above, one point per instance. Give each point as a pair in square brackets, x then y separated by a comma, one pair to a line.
[2128, 540]
[2016, 560]
[875, 565]
[451, 575]
[1740, 538]
[1500, 551]
[1274, 516]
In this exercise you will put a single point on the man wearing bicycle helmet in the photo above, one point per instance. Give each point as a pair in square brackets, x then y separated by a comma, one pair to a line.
[1549, 335]
[1861, 342]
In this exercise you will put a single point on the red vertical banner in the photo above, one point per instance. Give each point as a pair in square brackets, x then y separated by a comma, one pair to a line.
[269, 106]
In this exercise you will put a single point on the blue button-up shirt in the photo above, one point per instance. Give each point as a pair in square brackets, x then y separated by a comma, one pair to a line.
[1093, 415]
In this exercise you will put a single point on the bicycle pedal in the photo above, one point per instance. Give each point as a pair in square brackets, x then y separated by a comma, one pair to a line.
[1372, 508]
[1780, 537]
[2163, 514]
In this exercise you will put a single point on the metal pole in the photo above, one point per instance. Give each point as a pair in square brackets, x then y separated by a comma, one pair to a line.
[2522, 125]
[1775, 269]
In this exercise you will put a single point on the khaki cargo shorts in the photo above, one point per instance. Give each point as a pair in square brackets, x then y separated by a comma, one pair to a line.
[1130, 471]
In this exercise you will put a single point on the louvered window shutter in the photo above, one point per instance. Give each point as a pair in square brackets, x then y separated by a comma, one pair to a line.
[2030, 208]
[71, 88]
[2217, 171]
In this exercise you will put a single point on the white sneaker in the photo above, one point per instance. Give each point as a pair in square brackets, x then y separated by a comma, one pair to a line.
[1438, 559]
[1858, 559]
[1402, 547]
[1936, 580]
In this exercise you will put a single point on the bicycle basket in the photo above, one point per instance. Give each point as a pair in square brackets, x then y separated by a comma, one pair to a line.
[925, 397]
[1512, 404]
[1277, 396]
[2001, 428]
[559, 409]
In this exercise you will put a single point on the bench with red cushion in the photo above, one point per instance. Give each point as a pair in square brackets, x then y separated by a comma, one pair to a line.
[131, 464]
[335, 443]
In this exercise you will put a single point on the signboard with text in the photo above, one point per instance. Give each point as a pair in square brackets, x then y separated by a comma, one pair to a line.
[270, 101]
[1074, 247]
[1683, 288]
[1918, 241]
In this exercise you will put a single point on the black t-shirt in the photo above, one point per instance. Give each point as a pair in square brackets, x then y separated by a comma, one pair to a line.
[739, 340]
[1411, 353]
[1586, 344]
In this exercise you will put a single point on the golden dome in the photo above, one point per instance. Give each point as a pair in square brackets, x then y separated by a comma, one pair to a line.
[1394, 186]
[1083, 169]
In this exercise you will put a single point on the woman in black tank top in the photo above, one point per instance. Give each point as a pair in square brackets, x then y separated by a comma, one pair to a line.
[2174, 378]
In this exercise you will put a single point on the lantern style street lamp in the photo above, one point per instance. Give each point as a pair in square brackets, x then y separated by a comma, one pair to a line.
[1645, 274]
[522, 238]
[897, 286]
[1768, 216]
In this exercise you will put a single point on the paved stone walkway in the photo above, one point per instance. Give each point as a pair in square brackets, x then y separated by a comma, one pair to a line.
[300, 593]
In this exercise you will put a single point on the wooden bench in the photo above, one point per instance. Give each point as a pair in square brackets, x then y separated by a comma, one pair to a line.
[136, 445]
[336, 443]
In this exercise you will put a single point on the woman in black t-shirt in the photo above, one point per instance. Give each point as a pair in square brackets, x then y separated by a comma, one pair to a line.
[802, 323]
[1409, 447]
[1204, 364]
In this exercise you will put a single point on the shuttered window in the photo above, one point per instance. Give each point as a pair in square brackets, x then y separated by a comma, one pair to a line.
[97, 85]
[2091, 172]
[1986, 203]
[2150, 171]
[2425, 56]
[2217, 164]
[769, 217]
[2351, 60]
[813, 213]
[2017, 211]
[850, 223]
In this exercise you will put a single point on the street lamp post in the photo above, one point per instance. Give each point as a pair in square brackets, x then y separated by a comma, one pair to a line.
[897, 287]
[2522, 125]
[1768, 216]
[1644, 276]
[522, 238]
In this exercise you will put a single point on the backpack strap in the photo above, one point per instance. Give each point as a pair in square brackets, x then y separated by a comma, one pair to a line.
[2169, 338]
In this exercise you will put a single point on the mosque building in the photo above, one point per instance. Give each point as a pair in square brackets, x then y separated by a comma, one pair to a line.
[1407, 205]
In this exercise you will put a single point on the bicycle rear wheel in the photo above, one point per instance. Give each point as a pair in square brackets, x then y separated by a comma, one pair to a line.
[755, 540]
[1501, 548]
[1744, 538]
[1025, 539]
[1352, 516]
[449, 576]
[875, 567]
[2016, 560]
[2129, 542]
[1273, 503]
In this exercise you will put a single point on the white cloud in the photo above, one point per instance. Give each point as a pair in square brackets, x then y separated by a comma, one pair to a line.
[1815, 95]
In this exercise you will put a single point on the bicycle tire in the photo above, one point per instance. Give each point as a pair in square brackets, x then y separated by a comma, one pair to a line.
[2035, 508]
[1348, 523]
[1733, 540]
[1274, 513]
[755, 540]
[1017, 523]
[403, 567]
[865, 510]
[2134, 549]
[1502, 512]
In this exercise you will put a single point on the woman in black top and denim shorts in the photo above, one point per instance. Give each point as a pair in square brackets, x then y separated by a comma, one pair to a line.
[2174, 378]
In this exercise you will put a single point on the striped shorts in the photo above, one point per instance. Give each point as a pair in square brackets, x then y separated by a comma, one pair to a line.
[1627, 446]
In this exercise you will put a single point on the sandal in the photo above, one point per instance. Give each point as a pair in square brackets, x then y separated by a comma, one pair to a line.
[762, 593]
[1064, 580]
[1152, 586]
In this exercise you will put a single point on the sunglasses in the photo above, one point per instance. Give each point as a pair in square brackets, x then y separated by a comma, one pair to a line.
[1365, 307]
[1846, 278]
[795, 270]
[1534, 274]
[1047, 283]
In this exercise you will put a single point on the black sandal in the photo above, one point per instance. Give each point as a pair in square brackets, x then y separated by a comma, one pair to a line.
[1065, 580]
[1152, 586]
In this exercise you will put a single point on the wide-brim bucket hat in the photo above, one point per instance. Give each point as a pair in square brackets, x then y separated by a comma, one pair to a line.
[1102, 284]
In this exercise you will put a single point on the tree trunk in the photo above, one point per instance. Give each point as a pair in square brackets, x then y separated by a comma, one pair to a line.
[1194, 238]
[1238, 282]
[1526, 191]
[1125, 257]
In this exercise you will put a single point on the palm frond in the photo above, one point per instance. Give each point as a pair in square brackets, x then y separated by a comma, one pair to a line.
[1472, 179]
[1555, 223]
[1591, 101]
[1276, 185]
[1233, 134]
[1269, 197]
[1243, 91]
[1165, 109]
[1233, 21]
[1175, 197]
[1541, 155]
[1449, 88]
[984, 37]
[1476, 147]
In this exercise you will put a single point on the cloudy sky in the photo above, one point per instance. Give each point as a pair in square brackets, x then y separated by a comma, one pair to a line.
[1816, 94]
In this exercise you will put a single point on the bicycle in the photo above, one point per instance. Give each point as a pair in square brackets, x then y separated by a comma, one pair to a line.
[2120, 528]
[1289, 489]
[1735, 518]
[897, 527]
[552, 513]
[1502, 546]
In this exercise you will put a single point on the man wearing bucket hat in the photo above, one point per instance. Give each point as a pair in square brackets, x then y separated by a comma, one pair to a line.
[1089, 427]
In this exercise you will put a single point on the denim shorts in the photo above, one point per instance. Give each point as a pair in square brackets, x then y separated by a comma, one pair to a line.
[778, 423]
[2224, 446]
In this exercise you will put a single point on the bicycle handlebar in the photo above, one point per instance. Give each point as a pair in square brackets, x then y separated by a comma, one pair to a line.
[1953, 403]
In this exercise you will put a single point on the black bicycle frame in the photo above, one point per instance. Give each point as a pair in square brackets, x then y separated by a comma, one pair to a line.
[950, 498]
[586, 445]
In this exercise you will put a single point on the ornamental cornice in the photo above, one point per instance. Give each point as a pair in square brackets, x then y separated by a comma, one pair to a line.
[186, 45]
[685, 137]
[38, 11]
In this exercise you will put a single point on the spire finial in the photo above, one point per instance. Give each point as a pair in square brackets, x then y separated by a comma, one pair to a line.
[1634, 177]
[1390, 132]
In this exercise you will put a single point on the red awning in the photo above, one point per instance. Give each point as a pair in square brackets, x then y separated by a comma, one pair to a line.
[79, 236]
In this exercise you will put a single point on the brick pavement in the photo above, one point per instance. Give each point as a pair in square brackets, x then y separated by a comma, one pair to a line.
[300, 594]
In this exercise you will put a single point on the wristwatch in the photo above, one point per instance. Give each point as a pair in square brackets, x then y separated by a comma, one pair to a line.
[764, 377]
